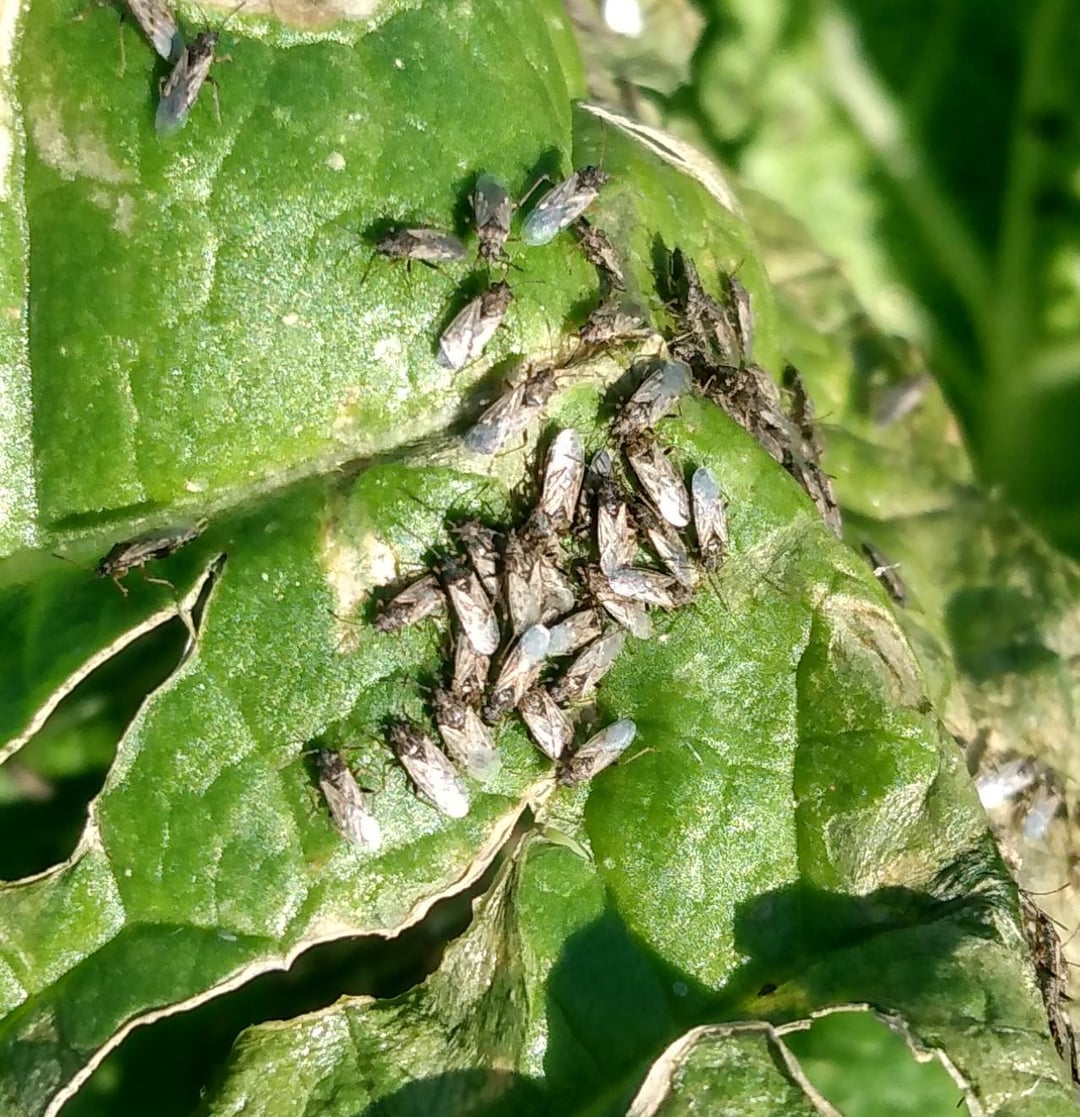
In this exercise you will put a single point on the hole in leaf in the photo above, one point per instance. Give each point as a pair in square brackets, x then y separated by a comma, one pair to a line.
[865, 1069]
[46, 787]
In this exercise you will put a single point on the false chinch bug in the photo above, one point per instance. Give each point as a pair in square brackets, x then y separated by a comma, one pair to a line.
[562, 205]
[467, 739]
[430, 771]
[422, 599]
[658, 477]
[600, 751]
[135, 553]
[181, 88]
[710, 518]
[492, 210]
[474, 326]
[512, 412]
[347, 802]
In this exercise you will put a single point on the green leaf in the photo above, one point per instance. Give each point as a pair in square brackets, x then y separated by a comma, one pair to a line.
[791, 815]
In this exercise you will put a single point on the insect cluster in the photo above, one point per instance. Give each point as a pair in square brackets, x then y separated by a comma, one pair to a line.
[468, 334]
[539, 611]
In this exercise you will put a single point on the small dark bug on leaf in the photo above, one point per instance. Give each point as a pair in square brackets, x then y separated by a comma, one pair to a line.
[598, 752]
[135, 553]
[562, 205]
[492, 210]
[183, 85]
[347, 802]
[469, 333]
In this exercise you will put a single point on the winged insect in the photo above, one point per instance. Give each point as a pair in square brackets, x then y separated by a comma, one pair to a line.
[135, 553]
[347, 802]
[613, 320]
[479, 544]
[657, 476]
[523, 581]
[181, 88]
[598, 752]
[548, 725]
[592, 663]
[600, 252]
[417, 601]
[802, 407]
[474, 326]
[646, 586]
[557, 595]
[710, 518]
[574, 632]
[492, 210]
[886, 573]
[429, 769]
[467, 739]
[615, 539]
[657, 395]
[511, 413]
[670, 550]
[710, 335]
[470, 672]
[562, 205]
[741, 315]
[422, 244]
[472, 606]
[632, 615]
[563, 477]
[519, 672]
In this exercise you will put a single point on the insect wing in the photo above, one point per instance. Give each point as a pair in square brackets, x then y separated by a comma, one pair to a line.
[468, 741]
[574, 632]
[658, 393]
[599, 752]
[473, 608]
[583, 676]
[611, 321]
[457, 344]
[183, 84]
[739, 300]
[492, 209]
[479, 543]
[524, 584]
[672, 552]
[519, 673]
[561, 206]
[563, 476]
[430, 770]
[506, 417]
[886, 573]
[347, 803]
[430, 246]
[710, 518]
[468, 334]
[413, 604]
[632, 615]
[549, 727]
[470, 671]
[614, 537]
[645, 586]
[159, 26]
[600, 252]
[660, 481]
[557, 596]
[153, 545]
